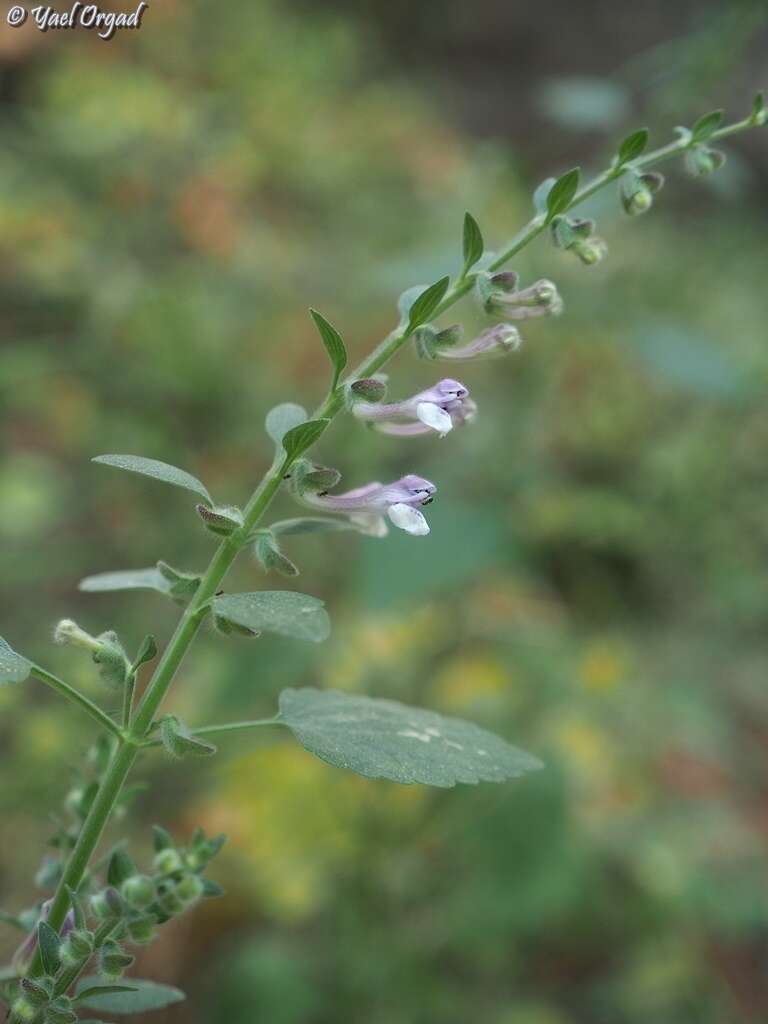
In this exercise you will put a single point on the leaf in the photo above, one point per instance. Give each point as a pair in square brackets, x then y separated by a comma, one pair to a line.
[309, 524]
[270, 557]
[120, 867]
[540, 195]
[473, 243]
[283, 418]
[158, 471]
[302, 437]
[48, 943]
[142, 996]
[706, 125]
[13, 667]
[147, 651]
[279, 611]
[102, 990]
[561, 194]
[383, 739]
[632, 146]
[426, 303]
[334, 346]
[179, 742]
[758, 106]
[126, 579]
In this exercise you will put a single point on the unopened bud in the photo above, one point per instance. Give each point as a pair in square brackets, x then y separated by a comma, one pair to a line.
[68, 632]
[23, 1010]
[77, 947]
[142, 930]
[190, 889]
[138, 890]
[113, 662]
[167, 861]
[113, 960]
[591, 251]
[107, 904]
[637, 190]
[60, 1012]
[702, 160]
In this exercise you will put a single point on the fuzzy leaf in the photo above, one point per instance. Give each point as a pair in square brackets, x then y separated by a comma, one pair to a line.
[383, 739]
[48, 944]
[158, 471]
[120, 867]
[279, 611]
[706, 125]
[283, 418]
[147, 651]
[179, 742]
[334, 346]
[426, 303]
[126, 579]
[139, 997]
[13, 667]
[473, 243]
[561, 194]
[300, 438]
[632, 146]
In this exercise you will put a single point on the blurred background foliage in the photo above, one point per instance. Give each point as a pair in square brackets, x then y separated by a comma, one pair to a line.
[595, 583]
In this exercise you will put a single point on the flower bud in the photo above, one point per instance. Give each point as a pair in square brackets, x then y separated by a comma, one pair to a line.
[539, 299]
[703, 160]
[190, 889]
[37, 991]
[171, 903]
[142, 930]
[113, 662]
[138, 890]
[107, 904]
[636, 191]
[23, 1010]
[167, 861]
[431, 343]
[60, 1012]
[113, 960]
[77, 947]
[592, 251]
[68, 632]
[369, 389]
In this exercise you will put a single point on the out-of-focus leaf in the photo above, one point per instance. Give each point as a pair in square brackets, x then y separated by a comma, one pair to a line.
[126, 579]
[334, 346]
[632, 146]
[279, 611]
[426, 303]
[283, 418]
[13, 667]
[158, 471]
[473, 244]
[138, 996]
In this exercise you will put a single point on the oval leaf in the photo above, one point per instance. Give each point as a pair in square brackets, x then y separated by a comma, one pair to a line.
[158, 471]
[706, 125]
[473, 243]
[279, 611]
[384, 739]
[632, 146]
[126, 579]
[540, 195]
[13, 667]
[334, 346]
[426, 303]
[300, 438]
[283, 418]
[143, 996]
[562, 193]
[48, 943]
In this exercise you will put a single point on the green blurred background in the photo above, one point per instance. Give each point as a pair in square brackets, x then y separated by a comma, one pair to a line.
[595, 583]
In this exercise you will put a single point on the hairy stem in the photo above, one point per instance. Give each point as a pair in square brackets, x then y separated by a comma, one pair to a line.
[186, 630]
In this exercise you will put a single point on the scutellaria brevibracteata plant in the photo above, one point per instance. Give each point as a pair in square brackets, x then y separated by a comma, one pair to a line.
[76, 947]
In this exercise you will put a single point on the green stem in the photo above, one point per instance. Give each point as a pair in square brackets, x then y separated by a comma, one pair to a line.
[253, 723]
[69, 976]
[75, 697]
[227, 551]
[128, 693]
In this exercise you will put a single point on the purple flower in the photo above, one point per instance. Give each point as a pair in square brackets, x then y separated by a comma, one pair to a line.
[367, 506]
[439, 408]
[23, 956]
[502, 296]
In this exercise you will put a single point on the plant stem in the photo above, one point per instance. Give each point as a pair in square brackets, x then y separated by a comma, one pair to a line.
[186, 630]
[68, 977]
[75, 697]
[253, 723]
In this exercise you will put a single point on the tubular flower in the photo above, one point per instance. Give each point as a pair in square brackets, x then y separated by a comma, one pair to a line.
[439, 408]
[501, 295]
[495, 341]
[367, 506]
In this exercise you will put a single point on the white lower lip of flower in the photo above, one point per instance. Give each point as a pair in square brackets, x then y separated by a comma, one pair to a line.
[408, 519]
[435, 417]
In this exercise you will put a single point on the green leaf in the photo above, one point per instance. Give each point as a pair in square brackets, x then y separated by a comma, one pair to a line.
[300, 438]
[632, 146]
[758, 104]
[179, 742]
[13, 667]
[147, 651]
[158, 471]
[383, 739]
[706, 125]
[309, 524]
[540, 195]
[126, 579]
[474, 246]
[334, 346]
[561, 194]
[283, 418]
[426, 303]
[280, 611]
[138, 998]
[48, 943]
[270, 557]
[120, 867]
